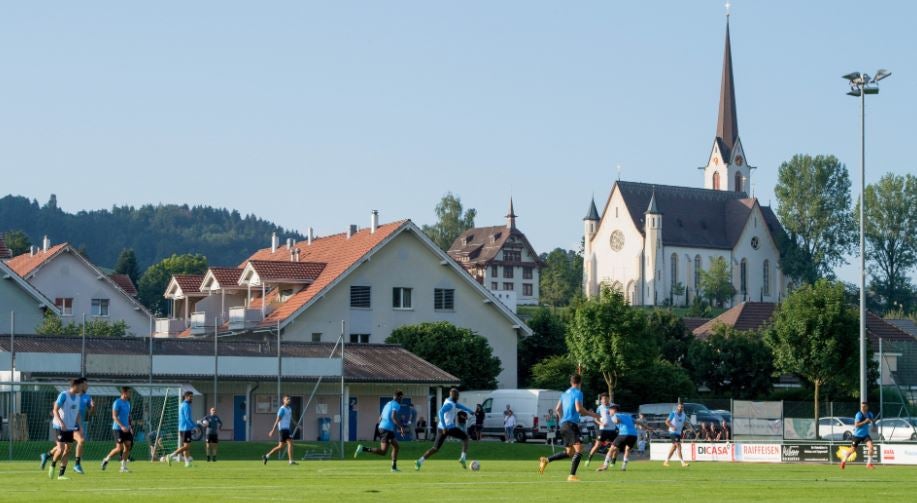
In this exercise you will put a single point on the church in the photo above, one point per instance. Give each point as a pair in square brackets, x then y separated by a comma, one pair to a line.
[652, 241]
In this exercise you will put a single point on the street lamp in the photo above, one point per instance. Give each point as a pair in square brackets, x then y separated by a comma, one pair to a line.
[862, 84]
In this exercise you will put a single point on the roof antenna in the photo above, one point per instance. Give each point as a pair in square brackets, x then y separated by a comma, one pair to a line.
[728, 7]
[619, 173]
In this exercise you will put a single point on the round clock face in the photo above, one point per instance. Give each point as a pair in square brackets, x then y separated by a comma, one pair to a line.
[739, 160]
[754, 242]
[617, 240]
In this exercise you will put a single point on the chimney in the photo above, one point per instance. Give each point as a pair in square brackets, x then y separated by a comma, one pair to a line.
[45, 244]
[289, 243]
[274, 242]
[296, 254]
[32, 251]
[311, 236]
[351, 230]
[374, 221]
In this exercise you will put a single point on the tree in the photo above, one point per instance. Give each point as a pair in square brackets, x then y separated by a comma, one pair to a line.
[547, 340]
[127, 264]
[450, 221]
[656, 381]
[813, 197]
[95, 327]
[561, 279]
[609, 337]
[153, 283]
[671, 335]
[732, 363]
[459, 351]
[17, 241]
[891, 237]
[815, 335]
[715, 282]
[553, 372]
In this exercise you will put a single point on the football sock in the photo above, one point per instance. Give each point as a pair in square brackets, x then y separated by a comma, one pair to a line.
[463, 456]
[53, 463]
[575, 464]
[422, 459]
[78, 458]
[614, 459]
[558, 456]
[394, 464]
[63, 468]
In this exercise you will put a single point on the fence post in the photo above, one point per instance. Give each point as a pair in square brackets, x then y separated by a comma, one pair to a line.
[83, 349]
[279, 361]
[344, 422]
[12, 406]
[881, 394]
[216, 359]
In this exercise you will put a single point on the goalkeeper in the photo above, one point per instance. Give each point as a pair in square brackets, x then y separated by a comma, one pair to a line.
[212, 425]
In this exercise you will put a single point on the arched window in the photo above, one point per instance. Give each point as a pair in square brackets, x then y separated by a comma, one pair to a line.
[743, 277]
[738, 181]
[766, 279]
[674, 278]
[716, 180]
[697, 270]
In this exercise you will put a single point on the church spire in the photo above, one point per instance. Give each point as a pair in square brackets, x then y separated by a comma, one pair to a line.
[511, 216]
[727, 124]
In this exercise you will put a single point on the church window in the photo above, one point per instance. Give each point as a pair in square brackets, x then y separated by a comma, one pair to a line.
[616, 212]
[697, 270]
[674, 278]
[766, 289]
[738, 181]
[743, 277]
[716, 181]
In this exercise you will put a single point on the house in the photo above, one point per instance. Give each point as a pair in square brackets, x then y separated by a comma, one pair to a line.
[653, 241]
[502, 259]
[125, 282]
[747, 316]
[79, 288]
[361, 284]
[22, 306]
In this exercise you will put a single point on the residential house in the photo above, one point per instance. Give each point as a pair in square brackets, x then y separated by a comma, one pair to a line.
[22, 306]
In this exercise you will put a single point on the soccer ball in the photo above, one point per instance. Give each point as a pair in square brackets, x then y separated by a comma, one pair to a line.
[475, 466]
[205, 423]
[162, 459]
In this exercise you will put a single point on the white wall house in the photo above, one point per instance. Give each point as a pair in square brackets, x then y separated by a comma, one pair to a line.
[22, 306]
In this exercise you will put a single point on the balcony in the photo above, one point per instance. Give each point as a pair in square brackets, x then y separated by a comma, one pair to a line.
[201, 324]
[241, 318]
[169, 327]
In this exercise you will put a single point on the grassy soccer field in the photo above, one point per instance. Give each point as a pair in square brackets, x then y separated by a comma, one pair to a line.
[508, 473]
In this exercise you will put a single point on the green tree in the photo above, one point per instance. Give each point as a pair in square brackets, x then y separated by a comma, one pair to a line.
[553, 372]
[153, 283]
[813, 197]
[815, 335]
[656, 381]
[17, 241]
[450, 221]
[127, 264]
[561, 279]
[95, 327]
[732, 363]
[610, 338]
[670, 333]
[716, 282]
[459, 351]
[547, 340]
[891, 237]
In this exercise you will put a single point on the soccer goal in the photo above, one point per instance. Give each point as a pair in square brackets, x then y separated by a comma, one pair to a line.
[27, 431]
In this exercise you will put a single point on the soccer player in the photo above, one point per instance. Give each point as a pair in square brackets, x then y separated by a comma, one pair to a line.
[569, 408]
[121, 429]
[626, 439]
[448, 427]
[284, 416]
[86, 408]
[212, 425]
[608, 430]
[66, 414]
[185, 429]
[388, 422]
[861, 424]
[676, 423]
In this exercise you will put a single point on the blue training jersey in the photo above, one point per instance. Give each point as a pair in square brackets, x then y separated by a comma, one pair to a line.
[448, 413]
[862, 431]
[121, 408]
[385, 419]
[678, 422]
[626, 426]
[185, 421]
[285, 414]
[606, 423]
[568, 404]
[85, 402]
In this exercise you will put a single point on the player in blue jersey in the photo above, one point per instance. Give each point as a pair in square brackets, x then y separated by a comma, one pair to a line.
[282, 424]
[86, 408]
[675, 424]
[121, 429]
[66, 413]
[448, 426]
[186, 426]
[570, 408]
[626, 439]
[861, 422]
[608, 430]
[389, 422]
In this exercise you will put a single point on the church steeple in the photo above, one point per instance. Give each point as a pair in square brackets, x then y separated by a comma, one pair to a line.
[511, 216]
[727, 124]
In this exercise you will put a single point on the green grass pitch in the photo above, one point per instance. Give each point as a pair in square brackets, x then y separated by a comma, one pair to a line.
[508, 473]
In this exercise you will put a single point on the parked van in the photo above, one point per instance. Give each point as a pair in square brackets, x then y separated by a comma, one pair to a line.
[530, 406]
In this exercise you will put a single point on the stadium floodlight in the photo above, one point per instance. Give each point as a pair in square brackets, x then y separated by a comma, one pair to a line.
[881, 74]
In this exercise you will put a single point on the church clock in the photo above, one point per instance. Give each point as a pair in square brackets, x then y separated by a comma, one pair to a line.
[617, 240]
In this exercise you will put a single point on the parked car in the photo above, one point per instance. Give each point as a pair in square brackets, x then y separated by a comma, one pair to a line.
[655, 414]
[897, 428]
[835, 428]
[529, 406]
[725, 414]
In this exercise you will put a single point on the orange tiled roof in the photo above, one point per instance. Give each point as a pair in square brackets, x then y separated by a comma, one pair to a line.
[124, 281]
[337, 252]
[26, 263]
[275, 271]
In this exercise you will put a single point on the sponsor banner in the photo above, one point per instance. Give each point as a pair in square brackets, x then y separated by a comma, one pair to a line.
[838, 451]
[758, 452]
[898, 454]
[806, 453]
[708, 451]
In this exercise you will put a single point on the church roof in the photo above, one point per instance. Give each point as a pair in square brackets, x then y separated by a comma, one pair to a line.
[727, 123]
[593, 213]
[695, 218]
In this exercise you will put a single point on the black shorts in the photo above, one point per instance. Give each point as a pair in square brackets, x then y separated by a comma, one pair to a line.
[569, 432]
[284, 435]
[65, 436]
[186, 436]
[451, 432]
[675, 437]
[625, 441]
[386, 436]
[607, 435]
[861, 440]
[122, 436]
[213, 438]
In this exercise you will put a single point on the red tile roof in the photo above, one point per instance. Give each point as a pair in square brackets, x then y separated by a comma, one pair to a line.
[5, 252]
[227, 277]
[124, 281]
[692, 322]
[745, 316]
[270, 271]
[26, 263]
[189, 283]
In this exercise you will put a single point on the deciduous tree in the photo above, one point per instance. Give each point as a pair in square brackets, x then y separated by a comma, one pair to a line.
[153, 283]
[450, 221]
[716, 282]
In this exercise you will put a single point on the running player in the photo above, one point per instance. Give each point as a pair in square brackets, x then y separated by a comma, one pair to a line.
[185, 429]
[86, 408]
[861, 423]
[569, 408]
[283, 419]
[626, 440]
[676, 423]
[121, 429]
[388, 422]
[212, 426]
[448, 427]
[608, 430]
[66, 414]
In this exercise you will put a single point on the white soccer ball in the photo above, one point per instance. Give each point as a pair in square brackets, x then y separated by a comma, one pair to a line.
[162, 459]
[475, 466]
[205, 423]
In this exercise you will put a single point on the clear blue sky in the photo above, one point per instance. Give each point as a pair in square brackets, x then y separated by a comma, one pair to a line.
[313, 113]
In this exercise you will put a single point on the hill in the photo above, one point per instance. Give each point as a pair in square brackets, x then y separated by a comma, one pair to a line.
[224, 236]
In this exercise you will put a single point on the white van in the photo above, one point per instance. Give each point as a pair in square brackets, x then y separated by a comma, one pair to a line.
[530, 406]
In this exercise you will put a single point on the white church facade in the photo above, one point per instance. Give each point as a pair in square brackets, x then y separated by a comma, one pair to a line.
[652, 241]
